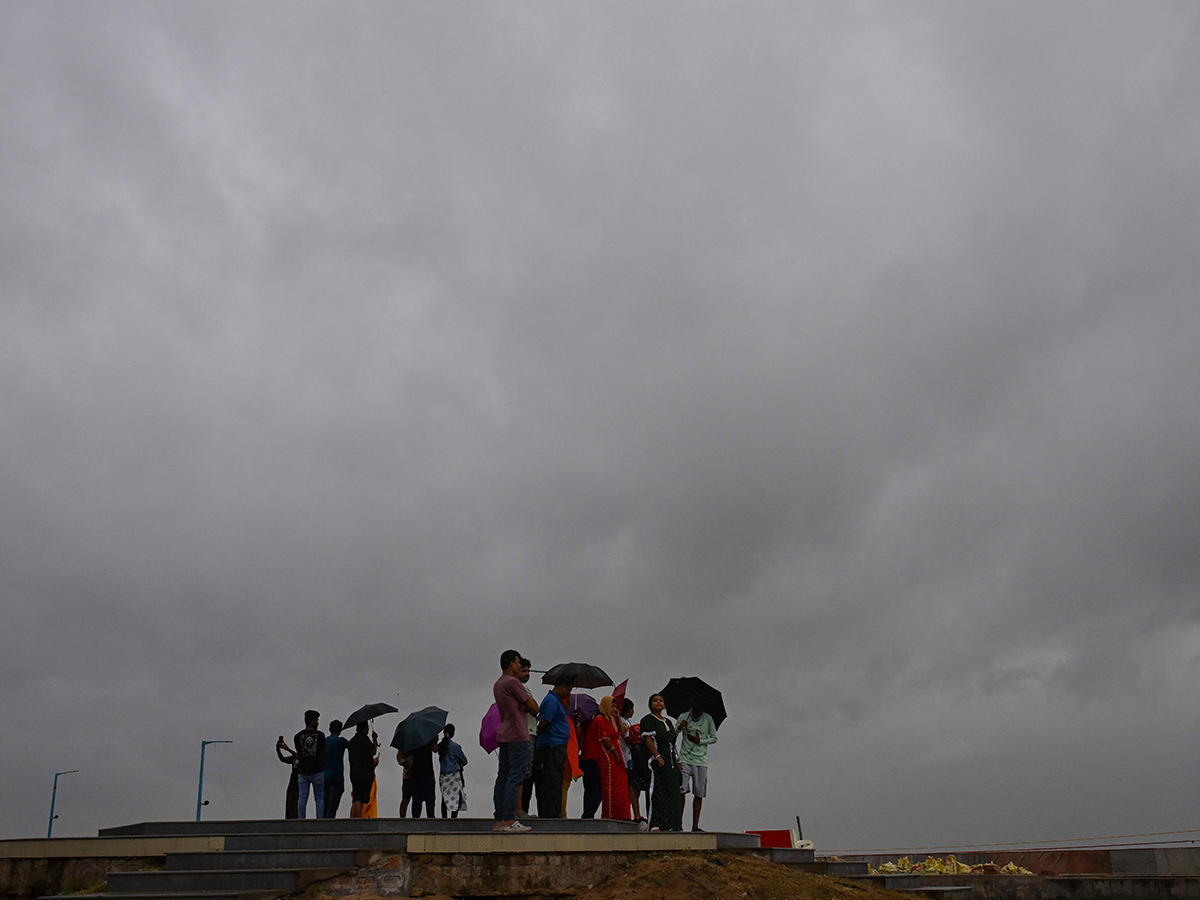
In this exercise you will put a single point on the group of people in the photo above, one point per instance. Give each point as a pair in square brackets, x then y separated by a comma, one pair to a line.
[319, 766]
[543, 747]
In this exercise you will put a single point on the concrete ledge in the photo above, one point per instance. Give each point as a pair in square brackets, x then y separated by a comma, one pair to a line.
[108, 848]
[533, 842]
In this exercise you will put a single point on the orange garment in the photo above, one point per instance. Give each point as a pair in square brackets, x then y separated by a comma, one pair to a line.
[371, 807]
[572, 770]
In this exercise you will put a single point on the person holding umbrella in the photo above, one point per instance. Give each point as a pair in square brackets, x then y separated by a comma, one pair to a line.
[363, 755]
[416, 737]
[698, 731]
[554, 734]
[424, 784]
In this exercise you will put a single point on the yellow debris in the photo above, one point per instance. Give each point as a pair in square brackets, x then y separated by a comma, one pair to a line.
[949, 866]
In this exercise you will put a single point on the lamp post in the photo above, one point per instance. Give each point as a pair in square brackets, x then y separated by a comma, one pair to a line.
[200, 787]
[53, 797]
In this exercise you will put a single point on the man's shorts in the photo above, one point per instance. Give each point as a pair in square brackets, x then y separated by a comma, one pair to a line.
[360, 791]
[697, 778]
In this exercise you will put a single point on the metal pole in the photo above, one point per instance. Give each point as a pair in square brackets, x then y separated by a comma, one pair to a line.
[200, 786]
[53, 797]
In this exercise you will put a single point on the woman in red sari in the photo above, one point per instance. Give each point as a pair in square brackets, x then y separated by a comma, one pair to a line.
[604, 736]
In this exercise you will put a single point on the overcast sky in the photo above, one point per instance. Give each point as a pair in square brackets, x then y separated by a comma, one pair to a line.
[843, 354]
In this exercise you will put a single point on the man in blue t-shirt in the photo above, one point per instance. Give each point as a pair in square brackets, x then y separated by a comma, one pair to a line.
[335, 774]
[550, 758]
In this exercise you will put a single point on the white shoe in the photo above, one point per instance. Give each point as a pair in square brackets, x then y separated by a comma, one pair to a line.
[515, 826]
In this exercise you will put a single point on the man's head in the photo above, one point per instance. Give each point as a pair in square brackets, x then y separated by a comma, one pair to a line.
[697, 706]
[510, 660]
[335, 727]
[362, 727]
[627, 708]
[562, 687]
[523, 671]
[311, 718]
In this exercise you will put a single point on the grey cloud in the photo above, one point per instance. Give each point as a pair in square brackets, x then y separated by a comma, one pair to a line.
[841, 354]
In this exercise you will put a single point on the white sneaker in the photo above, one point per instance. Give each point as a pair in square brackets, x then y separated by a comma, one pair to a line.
[515, 826]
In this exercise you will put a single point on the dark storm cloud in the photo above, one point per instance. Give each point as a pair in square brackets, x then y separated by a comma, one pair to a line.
[841, 354]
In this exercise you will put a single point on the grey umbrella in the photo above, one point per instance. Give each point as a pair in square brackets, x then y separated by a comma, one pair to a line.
[419, 728]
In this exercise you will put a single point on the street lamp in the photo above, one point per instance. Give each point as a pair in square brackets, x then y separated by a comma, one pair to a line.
[200, 801]
[53, 796]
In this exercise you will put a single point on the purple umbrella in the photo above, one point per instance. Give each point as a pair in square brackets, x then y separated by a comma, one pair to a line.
[489, 729]
[583, 705]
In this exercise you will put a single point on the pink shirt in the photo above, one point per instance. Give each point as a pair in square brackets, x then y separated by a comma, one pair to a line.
[510, 697]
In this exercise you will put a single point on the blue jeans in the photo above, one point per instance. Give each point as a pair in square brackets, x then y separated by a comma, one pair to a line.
[318, 785]
[514, 758]
[334, 788]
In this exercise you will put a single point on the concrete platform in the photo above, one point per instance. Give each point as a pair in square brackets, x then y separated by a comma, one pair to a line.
[93, 848]
[358, 826]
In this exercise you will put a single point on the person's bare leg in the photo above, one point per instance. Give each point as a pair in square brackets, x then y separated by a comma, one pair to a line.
[697, 802]
[356, 809]
[634, 801]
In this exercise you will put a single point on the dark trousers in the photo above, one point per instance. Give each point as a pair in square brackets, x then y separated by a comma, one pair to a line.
[334, 788]
[423, 791]
[514, 755]
[592, 789]
[548, 764]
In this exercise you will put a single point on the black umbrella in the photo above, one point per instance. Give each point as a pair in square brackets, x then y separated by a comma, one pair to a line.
[370, 711]
[679, 693]
[581, 674]
[419, 728]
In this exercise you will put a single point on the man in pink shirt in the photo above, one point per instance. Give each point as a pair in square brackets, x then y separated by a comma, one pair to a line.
[513, 701]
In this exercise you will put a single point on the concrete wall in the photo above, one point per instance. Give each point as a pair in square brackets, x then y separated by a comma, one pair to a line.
[480, 874]
[21, 879]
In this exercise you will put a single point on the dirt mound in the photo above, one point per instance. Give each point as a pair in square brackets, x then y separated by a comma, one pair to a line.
[721, 876]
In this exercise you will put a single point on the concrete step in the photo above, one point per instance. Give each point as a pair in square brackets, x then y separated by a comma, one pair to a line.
[835, 868]
[789, 856]
[914, 884]
[318, 840]
[267, 859]
[736, 840]
[361, 826]
[891, 882]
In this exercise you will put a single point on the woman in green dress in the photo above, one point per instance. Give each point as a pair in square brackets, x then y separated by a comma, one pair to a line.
[658, 735]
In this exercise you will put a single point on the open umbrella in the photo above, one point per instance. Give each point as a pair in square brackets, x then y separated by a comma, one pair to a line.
[581, 674]
[419, 728]
[583, 705]
[370, 711]
[489, 729]
[679, 693]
